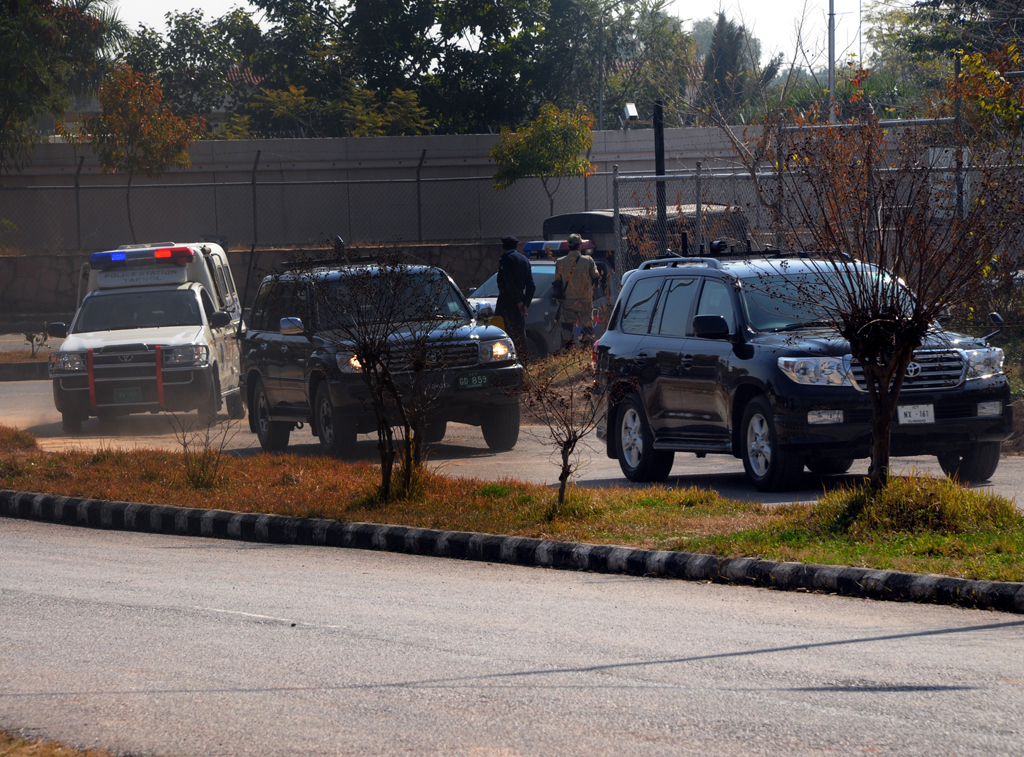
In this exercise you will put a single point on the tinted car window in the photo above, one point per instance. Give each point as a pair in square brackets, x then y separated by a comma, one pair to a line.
[675, 314]
[423, 297]
[542, 278]
[636, 316]
[716, 300]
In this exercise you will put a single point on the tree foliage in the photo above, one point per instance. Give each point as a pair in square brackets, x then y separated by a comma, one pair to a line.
[135, 132]
[552, 147]
[46, 46]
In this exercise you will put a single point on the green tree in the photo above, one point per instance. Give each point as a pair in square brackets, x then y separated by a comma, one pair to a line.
[732, 78]
[44, 47]
[550, 148]
[135, 132]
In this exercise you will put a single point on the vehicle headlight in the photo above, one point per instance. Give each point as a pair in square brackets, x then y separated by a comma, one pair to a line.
[194, 354]
[984, 363]
[497, 351]
[68, 361]
[348, 363]
[818, 371]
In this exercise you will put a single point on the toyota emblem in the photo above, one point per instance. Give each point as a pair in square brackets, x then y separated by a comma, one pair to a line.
[913, 370]
[126, 358]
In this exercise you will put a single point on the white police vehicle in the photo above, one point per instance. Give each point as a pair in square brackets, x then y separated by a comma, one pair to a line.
[157, 331]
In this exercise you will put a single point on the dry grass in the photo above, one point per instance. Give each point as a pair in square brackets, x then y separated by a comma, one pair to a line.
[920, 525]
[14, 746]
[24, 356]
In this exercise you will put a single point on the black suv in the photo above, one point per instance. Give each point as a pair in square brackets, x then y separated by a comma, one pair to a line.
[298, 368]
[710, 356]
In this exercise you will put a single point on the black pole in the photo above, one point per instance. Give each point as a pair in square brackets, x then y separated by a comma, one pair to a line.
[959, 178]
[78, 203]
[255, 227]
[419, 198]
[659, 169]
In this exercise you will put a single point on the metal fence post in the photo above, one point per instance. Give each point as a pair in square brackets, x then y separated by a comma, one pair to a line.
[698, 217]
[255, 225]
[659, 170]
[617, 230]
[78, 202]
[419, 198]
[959, 141]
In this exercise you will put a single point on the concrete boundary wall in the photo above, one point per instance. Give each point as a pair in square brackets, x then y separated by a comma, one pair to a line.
[306, 190]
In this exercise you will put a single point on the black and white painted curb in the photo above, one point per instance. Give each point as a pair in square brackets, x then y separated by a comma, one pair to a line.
[36, 371]
[278, 529]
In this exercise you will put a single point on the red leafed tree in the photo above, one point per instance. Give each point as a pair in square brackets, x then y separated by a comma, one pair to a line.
[135, 132]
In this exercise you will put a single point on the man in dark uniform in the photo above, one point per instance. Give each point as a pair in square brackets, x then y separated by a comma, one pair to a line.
[515, 293]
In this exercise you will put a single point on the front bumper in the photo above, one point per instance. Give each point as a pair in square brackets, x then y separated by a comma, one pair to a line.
[113, 387]
[956, 425]
[461, 396]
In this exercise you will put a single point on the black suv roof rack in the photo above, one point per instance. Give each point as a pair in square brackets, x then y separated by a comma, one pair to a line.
[321, 262]
[675, 262]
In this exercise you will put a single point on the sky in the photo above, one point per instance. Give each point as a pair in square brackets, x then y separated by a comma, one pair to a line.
[771, 21]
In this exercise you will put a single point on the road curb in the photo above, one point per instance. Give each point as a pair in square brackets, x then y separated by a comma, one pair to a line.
[886, 585]
[24, 371]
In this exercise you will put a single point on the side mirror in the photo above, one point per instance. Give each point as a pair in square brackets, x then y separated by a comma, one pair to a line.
[710, 327]
[58, 330]
[292, 327]
[220, 319]
[997, 321]
[484, 311]
[945, 317]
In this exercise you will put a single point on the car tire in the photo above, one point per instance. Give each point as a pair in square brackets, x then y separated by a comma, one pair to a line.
[976, 463]
[236, 406]
[829, 466]
[501, 427]
[273, 435]
[210, 405]
[71, 423]
[434, 432]
[769, 466]
[638, 459]
[337, 437]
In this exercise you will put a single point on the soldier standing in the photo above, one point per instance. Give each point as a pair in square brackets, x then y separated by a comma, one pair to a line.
[515, 293]
[577, 273]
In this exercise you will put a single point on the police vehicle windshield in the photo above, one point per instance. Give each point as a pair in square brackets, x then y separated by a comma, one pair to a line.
[138, 310]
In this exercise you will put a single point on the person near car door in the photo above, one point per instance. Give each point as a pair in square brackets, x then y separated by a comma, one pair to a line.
[577, 274]
[515, 292]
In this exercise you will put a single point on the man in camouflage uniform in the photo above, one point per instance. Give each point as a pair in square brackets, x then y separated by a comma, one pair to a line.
[578, 273]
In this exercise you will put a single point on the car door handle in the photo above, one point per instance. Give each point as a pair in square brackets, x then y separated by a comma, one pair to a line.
[640, 359]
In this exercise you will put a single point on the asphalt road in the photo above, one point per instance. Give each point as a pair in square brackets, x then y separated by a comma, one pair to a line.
[29, 405]
[163, 645]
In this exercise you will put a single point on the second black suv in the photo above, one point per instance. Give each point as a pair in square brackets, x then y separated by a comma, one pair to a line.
[297, 366]
[730, 357]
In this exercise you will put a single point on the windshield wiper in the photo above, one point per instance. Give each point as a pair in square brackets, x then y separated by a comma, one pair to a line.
[802, 325]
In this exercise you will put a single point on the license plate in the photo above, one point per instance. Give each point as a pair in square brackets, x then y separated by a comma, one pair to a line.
[128, 395]
[473, 381]
[916, 414]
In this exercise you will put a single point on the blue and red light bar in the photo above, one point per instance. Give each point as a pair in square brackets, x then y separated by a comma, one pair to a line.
[531, 249]
[150, 256]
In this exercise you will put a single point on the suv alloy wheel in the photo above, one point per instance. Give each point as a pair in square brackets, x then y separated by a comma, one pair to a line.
[769, 465]
[637, 457]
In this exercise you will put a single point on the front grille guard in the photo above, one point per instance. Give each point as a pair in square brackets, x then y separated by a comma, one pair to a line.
[938, 370]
